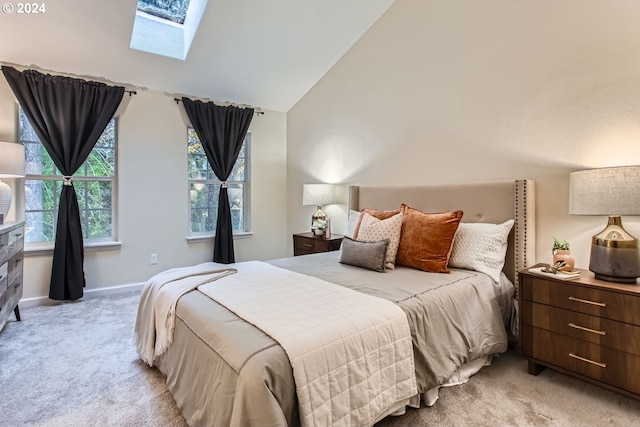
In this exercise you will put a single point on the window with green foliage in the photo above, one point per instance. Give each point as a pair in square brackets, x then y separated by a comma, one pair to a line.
[204, 188]
[94, 183]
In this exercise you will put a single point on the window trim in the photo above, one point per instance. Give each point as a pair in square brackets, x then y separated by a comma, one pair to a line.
[198, 236]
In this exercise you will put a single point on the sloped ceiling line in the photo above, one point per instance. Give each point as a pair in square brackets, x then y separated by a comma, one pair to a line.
[267, 53]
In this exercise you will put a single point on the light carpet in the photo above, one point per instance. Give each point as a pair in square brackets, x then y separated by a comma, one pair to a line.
[75, 364]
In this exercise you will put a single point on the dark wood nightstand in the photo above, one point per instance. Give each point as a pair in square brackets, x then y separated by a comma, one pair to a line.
[584, 327]
[308, 243]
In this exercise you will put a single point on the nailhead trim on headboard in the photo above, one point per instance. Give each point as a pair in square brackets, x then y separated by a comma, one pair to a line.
[524, 226]
[354, 197]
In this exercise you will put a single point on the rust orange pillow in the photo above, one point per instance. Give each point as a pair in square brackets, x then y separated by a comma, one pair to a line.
[426, 239]
[376, 214]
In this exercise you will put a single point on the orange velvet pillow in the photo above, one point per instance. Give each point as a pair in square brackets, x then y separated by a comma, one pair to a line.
[376, 214]
[426, 239]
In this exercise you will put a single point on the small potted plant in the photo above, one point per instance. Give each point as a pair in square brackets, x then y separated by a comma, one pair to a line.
[319, 226]
[562, 252]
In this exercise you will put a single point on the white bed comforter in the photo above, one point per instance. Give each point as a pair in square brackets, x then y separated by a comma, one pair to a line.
[351, 353]
[155, 321]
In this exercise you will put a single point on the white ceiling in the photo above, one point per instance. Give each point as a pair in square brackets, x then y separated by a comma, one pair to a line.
[263, 53]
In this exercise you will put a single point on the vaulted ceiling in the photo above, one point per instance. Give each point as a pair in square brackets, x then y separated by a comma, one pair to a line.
[263, 53]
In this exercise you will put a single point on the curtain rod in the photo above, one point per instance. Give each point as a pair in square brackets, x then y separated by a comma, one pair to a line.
[257, 111]
[21, 68]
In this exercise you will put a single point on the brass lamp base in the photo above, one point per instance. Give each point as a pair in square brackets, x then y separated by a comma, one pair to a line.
[615, 254]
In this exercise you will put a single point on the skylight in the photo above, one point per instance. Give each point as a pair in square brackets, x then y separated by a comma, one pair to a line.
[175, 10]
[166, 27]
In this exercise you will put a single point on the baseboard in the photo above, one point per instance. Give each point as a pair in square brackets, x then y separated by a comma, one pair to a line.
[98, 292]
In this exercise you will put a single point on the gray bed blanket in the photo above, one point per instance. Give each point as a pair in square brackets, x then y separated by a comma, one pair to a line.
[224, 371]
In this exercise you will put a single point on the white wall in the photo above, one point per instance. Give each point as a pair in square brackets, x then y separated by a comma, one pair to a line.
[152, 204]
[458, 91]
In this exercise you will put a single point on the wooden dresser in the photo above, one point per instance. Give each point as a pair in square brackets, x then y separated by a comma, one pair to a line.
[308, 243]
[583, 327]
[11, 254]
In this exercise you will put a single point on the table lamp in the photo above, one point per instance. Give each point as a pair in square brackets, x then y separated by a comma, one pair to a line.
[318, 195]
[11, 166]
[615, 254]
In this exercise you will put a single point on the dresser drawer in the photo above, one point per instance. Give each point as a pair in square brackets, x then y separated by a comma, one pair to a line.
[15, 241]
[15, 268]
[607, 365]
[608, 333]
[4, 277]
[596, 302]
[4, 247]
[4, 307]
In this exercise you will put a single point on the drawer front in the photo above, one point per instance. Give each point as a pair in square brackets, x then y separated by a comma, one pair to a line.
[304, 246]
[13, 294]
[4, 276]
[4, 307]
[15, 240]
[596, 302]
[15, 268]
[610, 366]
[4, 247]
[608, 333]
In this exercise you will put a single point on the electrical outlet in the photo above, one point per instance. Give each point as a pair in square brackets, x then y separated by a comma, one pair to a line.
[153, 259]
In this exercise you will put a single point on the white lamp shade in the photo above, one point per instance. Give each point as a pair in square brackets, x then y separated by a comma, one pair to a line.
[318, 194]
[605, 191]
[11, 160]
[11, 166]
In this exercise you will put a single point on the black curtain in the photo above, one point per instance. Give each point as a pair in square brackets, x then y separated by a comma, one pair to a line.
[68, 115]
[221, 131]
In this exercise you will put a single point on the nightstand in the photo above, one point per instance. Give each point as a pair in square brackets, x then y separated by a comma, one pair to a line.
[308, 243]
[584, 327]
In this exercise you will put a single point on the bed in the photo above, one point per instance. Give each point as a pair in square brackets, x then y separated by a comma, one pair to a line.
[223, 370]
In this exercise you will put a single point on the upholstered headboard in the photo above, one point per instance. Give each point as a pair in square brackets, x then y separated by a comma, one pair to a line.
[493, 202]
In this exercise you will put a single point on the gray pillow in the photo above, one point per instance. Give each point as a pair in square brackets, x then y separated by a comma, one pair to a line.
[369, 255]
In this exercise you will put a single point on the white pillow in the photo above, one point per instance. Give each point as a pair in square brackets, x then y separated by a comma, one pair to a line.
[354, 216]
[373, 229]
[481, 247]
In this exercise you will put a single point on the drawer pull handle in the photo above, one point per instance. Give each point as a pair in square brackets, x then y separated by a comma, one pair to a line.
[582, 328]
[307, 244]
[602, 365]
[586, 301]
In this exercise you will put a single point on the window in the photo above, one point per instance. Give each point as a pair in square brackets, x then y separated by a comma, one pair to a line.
[204, 188]
[94, 183]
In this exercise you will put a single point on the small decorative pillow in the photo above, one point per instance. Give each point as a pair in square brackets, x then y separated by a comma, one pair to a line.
[481, 247]
[376, 214]
[426, 239]
[373, 229]
[354, 220]
[369, 255]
